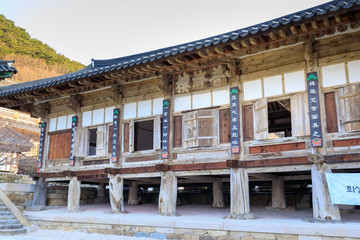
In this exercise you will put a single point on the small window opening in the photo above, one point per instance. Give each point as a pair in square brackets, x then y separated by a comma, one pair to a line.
[92, 141]
[144, 135]
[279, 117]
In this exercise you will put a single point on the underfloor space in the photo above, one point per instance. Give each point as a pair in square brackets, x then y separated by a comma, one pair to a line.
[199, 217]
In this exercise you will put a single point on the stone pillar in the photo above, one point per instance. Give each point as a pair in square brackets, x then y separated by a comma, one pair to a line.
[133, 193]
[168, 194]
[116, 184]
[39, 200]
[278, 193]
[218, 200]
[322, 208]
[239, 194]
[73, 204]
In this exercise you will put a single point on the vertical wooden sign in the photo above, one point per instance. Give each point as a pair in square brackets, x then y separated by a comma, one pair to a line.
[314, 109]
[165, 130]
[234, 120]
[74, 124]
[115, 135]
[41, 145]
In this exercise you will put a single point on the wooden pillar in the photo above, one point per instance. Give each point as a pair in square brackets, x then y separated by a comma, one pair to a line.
[168, 194]
[74, 193]
[218, 199]
[133, 193]
[100, 193]
[322, 208]
[116, 184]
[278, 193]
[39, 200]
[239, 194]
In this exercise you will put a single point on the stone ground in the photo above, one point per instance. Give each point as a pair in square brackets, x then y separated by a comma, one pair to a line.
[63, 235]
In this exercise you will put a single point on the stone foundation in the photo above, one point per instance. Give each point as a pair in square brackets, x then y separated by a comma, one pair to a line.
[176, 233]
[58, 195]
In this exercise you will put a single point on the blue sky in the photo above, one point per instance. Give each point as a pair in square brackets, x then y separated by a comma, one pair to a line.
[103, 29]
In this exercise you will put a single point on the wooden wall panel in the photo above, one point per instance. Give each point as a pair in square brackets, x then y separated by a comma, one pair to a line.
[177, 141]
[248, 123]
[126, 137]
[330, 111]
[60, 145]
[261, 119]
[224, 124]
[277, 148]
[349, 107]
[346, 142]
[110, 139]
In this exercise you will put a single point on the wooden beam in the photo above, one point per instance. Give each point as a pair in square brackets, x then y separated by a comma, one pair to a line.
[282, 33]
[275, 162]
[245, 43]
[253, 41]
[304, 28]
[219, 49]
[273, 36]
[314, 25]
[263, 176]
[200, 178]
[236, 45]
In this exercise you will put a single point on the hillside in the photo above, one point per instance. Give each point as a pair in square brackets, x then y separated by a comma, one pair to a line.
[33, 59]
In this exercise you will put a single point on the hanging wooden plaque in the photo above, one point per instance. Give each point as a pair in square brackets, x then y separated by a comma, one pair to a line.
[165, 130]
[115, 135]
[234, 120]
[314, 109]
[41, 145]
[74, 124]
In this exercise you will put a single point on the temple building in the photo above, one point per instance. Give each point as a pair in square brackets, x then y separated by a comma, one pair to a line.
[252, 117]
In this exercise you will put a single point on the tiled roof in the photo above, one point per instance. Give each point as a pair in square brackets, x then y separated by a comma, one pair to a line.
[11, 141]
[6, 66]
[102, 66]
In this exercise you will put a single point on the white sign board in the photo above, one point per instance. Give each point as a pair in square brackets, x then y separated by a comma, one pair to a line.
[344, 188]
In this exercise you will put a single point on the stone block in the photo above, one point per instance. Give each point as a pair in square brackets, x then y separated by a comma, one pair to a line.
[306, 237]
[174, 236]
[264, 236]
[207, 237]
[191, 237]
[158, 235]
[332, 238]
[132, 228]
[102, 226]
[248, 238]
[286, 237]
[147, 229]
[190, 231]
[142, 234]
[164, 230]
[228, 238]
[239, 234]
[128, 233]
[217, 233]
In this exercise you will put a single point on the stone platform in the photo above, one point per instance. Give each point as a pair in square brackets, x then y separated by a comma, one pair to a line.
[197, 222]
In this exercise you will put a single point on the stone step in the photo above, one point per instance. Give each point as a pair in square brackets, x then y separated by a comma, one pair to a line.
[7, 217]
[11, 226]
[3, 208]
[9, 221]
[12, 231]
[2, 213]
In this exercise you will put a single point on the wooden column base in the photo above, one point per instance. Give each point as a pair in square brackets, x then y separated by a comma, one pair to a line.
[322, 208]
[168, 194]
[239, 194]
[39, 200]
[116, 190]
